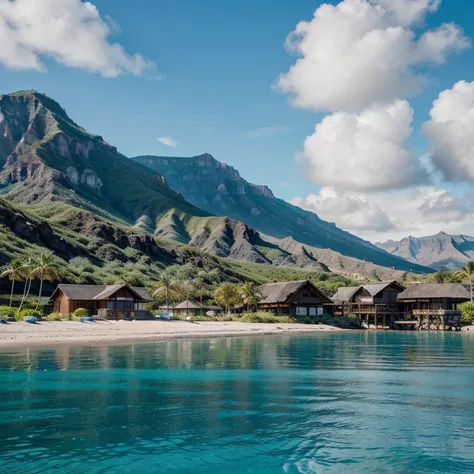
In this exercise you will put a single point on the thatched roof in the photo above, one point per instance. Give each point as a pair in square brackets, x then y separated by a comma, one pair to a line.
[98, 292]
[190, 304]
[379, 287]
[435, 290]
[345, 293]
[273, 293]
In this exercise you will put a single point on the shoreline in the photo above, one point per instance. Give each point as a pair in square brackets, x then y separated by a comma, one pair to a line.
[54, 333]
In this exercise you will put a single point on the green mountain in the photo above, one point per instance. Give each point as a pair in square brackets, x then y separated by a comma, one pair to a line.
[86, 190]
[220, 190]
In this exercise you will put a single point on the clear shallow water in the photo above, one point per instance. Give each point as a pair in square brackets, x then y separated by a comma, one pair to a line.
[328, 403]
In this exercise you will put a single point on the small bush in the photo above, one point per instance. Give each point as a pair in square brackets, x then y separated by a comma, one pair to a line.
[56, 317]
[263, 317]
[6, 311]
[19, 315]
[81, 313]
[467, 313]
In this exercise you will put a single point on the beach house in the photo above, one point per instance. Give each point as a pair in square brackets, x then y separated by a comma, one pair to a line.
[295, 298]
[105, 301]
[434, 305]
[375, 304]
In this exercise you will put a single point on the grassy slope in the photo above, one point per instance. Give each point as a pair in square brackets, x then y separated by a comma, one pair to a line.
[92, 264]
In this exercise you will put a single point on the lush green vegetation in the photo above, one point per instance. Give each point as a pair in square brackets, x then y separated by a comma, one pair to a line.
[467, 312]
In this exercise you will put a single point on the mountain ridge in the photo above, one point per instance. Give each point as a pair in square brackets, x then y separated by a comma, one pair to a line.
[219, 189]
[437, 251]
[47, 159]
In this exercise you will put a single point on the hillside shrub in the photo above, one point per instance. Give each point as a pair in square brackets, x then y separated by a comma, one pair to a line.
[81, 313]
[467, 313]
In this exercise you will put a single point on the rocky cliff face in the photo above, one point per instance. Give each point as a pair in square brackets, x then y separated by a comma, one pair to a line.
[436, 251]
[220, 190]
[45, 156]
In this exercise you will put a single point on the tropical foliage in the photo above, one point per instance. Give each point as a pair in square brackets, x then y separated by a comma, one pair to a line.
[250, 294]
[227, 296]
[467, 275]
[467, 313]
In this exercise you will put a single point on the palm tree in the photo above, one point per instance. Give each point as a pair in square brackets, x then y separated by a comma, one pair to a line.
[14, 271]
[442, 276]
[467, 274]
[44, 269]
[27, 268]
[168, 287]
[250, 294]
[226, 295]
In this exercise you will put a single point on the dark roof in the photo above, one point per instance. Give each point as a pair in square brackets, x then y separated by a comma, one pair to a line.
[435, 290]
[281, 292]
[97, 292]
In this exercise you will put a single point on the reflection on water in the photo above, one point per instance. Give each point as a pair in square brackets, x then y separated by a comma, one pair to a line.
[328, 403]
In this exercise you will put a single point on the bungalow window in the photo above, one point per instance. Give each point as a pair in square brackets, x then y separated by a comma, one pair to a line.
[301, 311]
[313, 311]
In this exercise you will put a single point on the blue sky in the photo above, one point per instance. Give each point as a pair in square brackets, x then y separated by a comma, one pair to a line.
[218, 61]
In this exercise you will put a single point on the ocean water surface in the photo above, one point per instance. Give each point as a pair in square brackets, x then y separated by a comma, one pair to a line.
[327, 403]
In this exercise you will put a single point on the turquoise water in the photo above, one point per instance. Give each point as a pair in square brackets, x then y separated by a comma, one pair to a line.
[328, 403]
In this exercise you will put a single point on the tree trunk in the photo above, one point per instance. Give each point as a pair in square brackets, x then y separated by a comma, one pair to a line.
[472, 299]
[24, 294]
[11, 295]
[167, 305]
[39, 294]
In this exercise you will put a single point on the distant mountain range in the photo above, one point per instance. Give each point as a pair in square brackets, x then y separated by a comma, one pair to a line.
[76, 182]
[220, 190]
[436, 251]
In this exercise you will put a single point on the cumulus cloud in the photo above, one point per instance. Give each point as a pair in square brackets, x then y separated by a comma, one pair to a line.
[71, 32]
[168, 141]
[354, 213]
[359, 52]
[407, 12]
[450, 131]
[420, 212]
[364, 152]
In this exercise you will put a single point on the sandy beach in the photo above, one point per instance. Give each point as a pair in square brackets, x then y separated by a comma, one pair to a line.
[21, 334]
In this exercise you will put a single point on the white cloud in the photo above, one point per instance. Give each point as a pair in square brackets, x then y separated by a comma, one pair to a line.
[450, 131]
[266, 131]
[354, 213]
[394, 215]
[364, 152]
[168, 141]
[358, 52]
[71, 32]
[407, 12]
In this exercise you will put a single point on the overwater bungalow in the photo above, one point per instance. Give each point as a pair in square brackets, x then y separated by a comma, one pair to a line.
[375, 304]
[103, 301]
[295, 298]
[433, 305]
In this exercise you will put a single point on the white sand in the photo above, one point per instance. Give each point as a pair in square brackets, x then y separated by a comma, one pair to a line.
[21, 334]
